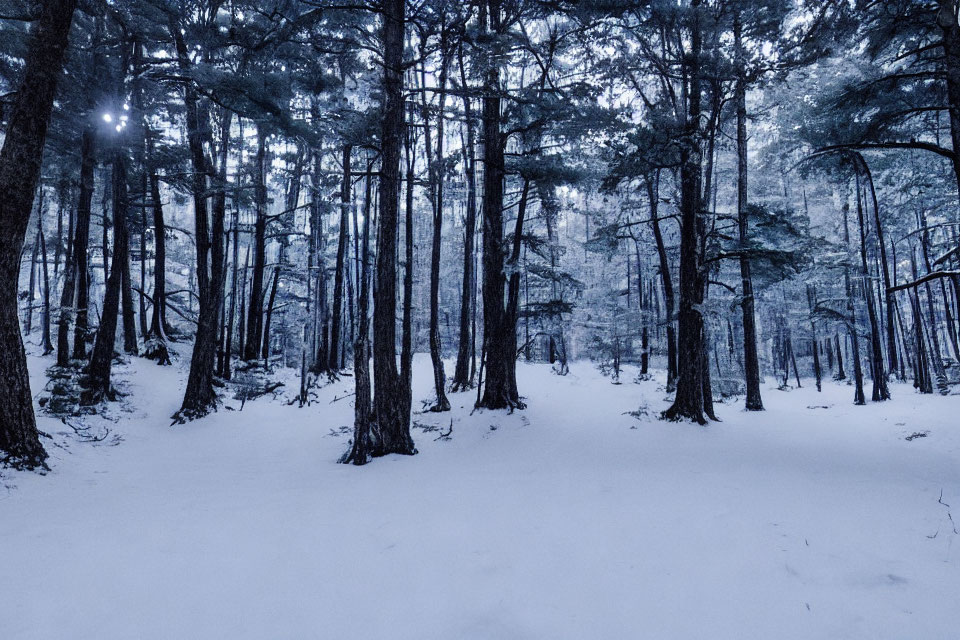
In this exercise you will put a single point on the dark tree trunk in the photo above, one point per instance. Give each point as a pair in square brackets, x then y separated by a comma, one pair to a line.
[392, 426]
[751, 361]
[78, 246]
[97, 381]
[32, 282]
[689, 401]
[885, 268]
[499, 334]
[242, 324]
[45, 318]
[435, 163]
[58, 245]
[858, 396]
[342, 246]
[406, 338]
[922, 379]
[462, 377]
[126, 291]
[880, 390]
[200, 397]
[265, 351]
[158, 320]
[841, 374]
[812, 303]
[81, 240]
[653, 194]
[362, 447]
[231, 316]
[255, 313]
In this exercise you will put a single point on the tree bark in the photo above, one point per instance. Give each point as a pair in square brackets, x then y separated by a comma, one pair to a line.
[255, 311]
[688, 402]
[200, 397]
[435, 164]
[76, 267]
[45, 318]
[501, 358]
[653, 194]
[392, 428]
[336, 319]
[362, 447]
[880, 390]
[97, 382]
[462, 378]
[751, 361]
[20, 162]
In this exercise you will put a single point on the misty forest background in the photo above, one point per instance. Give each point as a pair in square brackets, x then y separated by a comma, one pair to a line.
[729, 191]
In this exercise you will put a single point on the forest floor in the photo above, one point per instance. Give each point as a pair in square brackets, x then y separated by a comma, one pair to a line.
[570, 519]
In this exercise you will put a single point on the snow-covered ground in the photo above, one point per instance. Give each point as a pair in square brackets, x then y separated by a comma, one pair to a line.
[571, 519]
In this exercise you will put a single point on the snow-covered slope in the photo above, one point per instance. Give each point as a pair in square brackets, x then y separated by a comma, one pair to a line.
[571, 519]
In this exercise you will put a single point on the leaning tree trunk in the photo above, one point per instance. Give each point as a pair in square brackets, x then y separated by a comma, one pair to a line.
[97, 381]
[271, 301]
[653, 194]
[880, 390]
[200, 397]
[20, 161]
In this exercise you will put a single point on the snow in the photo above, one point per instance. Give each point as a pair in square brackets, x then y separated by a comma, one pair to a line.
[570, 519]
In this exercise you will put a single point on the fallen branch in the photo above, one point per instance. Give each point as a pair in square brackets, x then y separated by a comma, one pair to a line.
[927, 278]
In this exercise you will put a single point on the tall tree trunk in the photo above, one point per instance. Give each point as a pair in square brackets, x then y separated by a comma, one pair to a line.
[689, 401]
[462, 378]
[653, 194]
[265, 351]
[406, 338]
[76, 267]
[499, 334]
[97, 382]
[81, 242]
[841, 374]
[362, 447]
[20, 161]
[880, 390]
[45, 318]
[751, 361]
[434, 166]
[32, 282]
[126, 296]
[158, 319]
[812, 304]
[255, 312]
[858, 396]
[200, 397]
[231, 317]
[336, 321]
[392, 426]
